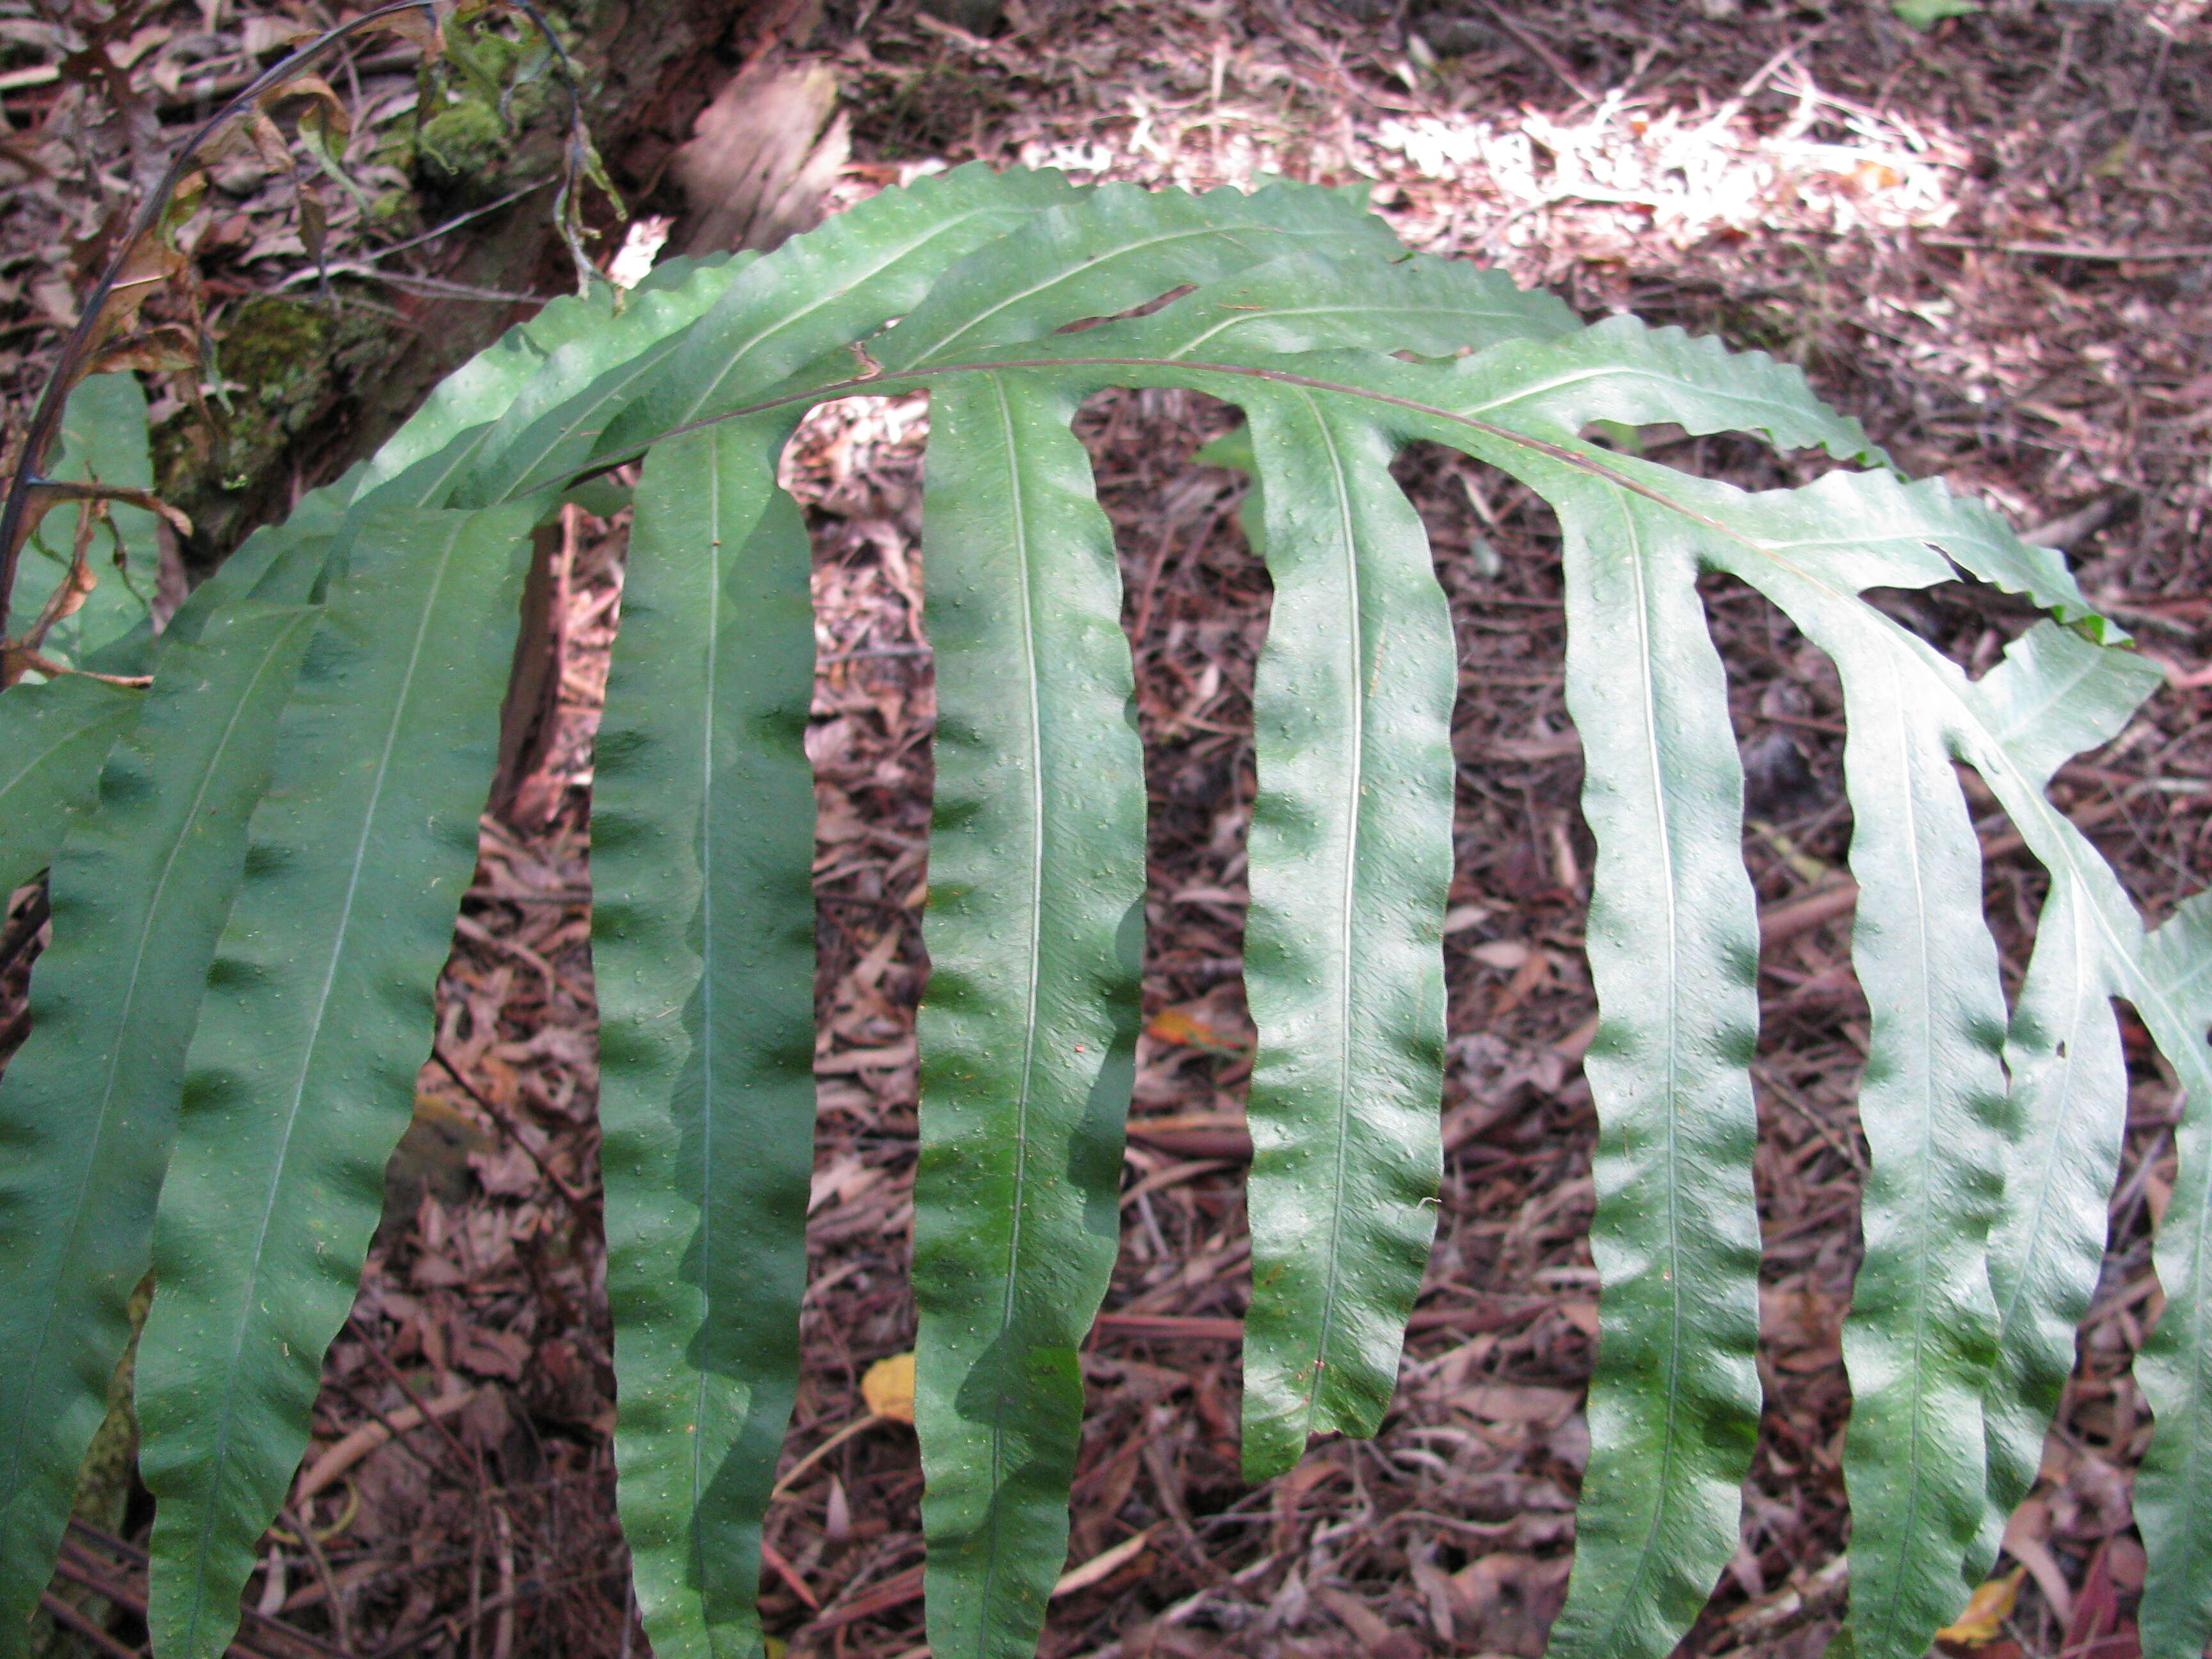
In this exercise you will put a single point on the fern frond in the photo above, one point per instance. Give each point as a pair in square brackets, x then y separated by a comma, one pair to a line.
[301, 1073]
[1028, 1026]
[2174, 1489]
[55, 737]
[1929, 1319]
[295, 1014]
[1351, 857]
[87, 1108]
[1938, 1109]
[703, 831]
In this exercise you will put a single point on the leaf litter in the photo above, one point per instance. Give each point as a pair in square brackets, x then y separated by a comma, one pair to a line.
[1968, 239]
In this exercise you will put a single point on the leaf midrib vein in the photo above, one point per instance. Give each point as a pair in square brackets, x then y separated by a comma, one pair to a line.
[1085, 268]
[792, 319]
[1034, 894]
[700, 1477]
[1663, 841]
[1355, 748]
[1628, 371]
[321, 1007]
[649, 357]
[1246, 319]
[129, 1000]
[76, 733]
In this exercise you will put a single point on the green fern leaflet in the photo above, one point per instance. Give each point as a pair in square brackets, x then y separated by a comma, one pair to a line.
[266, 847]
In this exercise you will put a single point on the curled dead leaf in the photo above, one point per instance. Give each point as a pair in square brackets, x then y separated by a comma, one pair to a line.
[1987, 1610]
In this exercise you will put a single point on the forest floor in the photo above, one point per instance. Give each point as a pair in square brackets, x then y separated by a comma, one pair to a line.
[1992, 243]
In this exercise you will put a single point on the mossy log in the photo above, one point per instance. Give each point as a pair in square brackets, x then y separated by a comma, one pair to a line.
[312, 386]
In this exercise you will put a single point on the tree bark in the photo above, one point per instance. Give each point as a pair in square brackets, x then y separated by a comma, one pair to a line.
[648, 68]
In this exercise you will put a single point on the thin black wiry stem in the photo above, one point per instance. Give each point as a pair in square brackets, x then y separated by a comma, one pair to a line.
[45, 423]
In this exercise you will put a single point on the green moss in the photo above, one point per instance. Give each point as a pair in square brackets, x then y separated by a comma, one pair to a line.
[468, 152]
[271, 344]
[494, 53]
[484, 125]
[279, 359]
[462, 143]
[274, 356]
[393, 210]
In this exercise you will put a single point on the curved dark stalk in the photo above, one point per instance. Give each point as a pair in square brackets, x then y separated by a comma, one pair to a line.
[910, 380]
[27, 476]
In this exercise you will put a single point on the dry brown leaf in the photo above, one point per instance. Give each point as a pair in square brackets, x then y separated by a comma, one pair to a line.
[1987, 1610]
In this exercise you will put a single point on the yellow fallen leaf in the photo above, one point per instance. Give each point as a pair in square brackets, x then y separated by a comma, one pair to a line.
[1179, 1026]
[888, 1387]
[1987, 1610]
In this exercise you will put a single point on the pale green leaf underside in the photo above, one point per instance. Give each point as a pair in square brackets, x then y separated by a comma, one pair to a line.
[1674, 948]
[1351, 856]
[2174, 1489]
[1925, 1336]
[1027, 1025]
[2055, 693]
